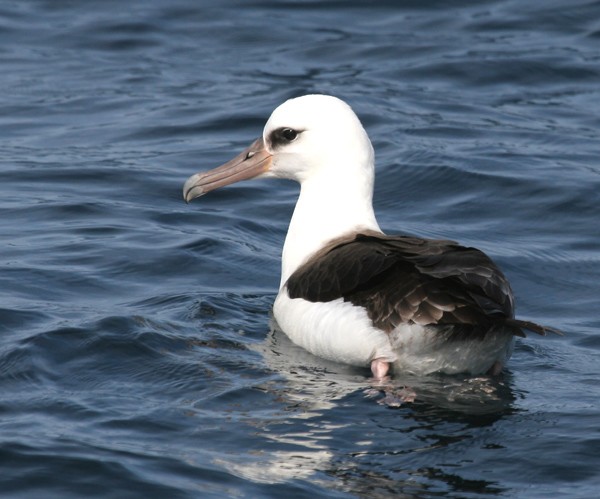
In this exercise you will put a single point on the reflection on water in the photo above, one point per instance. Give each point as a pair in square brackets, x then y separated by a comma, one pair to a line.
[333, 427]
[318, 381]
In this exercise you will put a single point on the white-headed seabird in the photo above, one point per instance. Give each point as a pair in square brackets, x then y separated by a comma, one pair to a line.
[350, 293]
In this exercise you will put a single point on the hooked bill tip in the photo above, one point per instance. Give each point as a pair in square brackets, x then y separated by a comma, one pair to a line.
[191, 190]
[193, 193]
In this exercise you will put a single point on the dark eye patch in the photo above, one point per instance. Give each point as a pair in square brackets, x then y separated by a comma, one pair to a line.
[283, 136]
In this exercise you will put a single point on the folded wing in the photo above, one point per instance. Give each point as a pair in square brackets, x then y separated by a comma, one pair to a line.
[400, 279]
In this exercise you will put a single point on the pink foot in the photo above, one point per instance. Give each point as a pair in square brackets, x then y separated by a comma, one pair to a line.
[395, 398]
[379, 368]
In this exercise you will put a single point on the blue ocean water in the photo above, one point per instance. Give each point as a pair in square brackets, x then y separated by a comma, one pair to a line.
[137, 357]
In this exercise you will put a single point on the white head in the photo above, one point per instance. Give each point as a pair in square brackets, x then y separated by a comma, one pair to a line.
[307, 137]
[314, 135]
[318, 141]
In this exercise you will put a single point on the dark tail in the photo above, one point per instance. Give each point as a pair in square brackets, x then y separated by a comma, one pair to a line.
[518, 325]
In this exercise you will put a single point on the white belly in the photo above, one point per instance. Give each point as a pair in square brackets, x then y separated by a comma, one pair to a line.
[342, 332]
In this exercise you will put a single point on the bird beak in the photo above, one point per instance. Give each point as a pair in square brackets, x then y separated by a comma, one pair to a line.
[250, 163]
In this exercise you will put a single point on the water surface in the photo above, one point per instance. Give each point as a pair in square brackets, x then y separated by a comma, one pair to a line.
[136, 353]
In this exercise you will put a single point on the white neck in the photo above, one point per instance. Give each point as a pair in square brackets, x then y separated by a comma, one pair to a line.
[327, 208]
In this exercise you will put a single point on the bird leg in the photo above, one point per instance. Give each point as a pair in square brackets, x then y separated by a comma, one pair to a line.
[394, 396]
[379, 368]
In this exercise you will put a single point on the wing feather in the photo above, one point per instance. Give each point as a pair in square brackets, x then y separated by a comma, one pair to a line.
[401, 279]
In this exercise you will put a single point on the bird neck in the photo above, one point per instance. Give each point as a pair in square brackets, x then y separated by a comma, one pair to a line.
[327, 209]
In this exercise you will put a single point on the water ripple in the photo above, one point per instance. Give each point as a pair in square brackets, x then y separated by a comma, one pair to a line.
[137, 354]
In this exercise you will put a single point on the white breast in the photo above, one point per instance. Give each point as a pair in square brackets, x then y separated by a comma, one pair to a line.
[335, 330]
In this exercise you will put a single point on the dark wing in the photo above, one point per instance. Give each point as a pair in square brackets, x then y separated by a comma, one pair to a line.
[401, 279]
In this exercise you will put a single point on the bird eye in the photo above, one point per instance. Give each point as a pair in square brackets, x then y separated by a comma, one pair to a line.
[289, 134]
[283, 136]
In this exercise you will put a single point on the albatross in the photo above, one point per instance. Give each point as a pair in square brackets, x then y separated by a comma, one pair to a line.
[350, 293]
